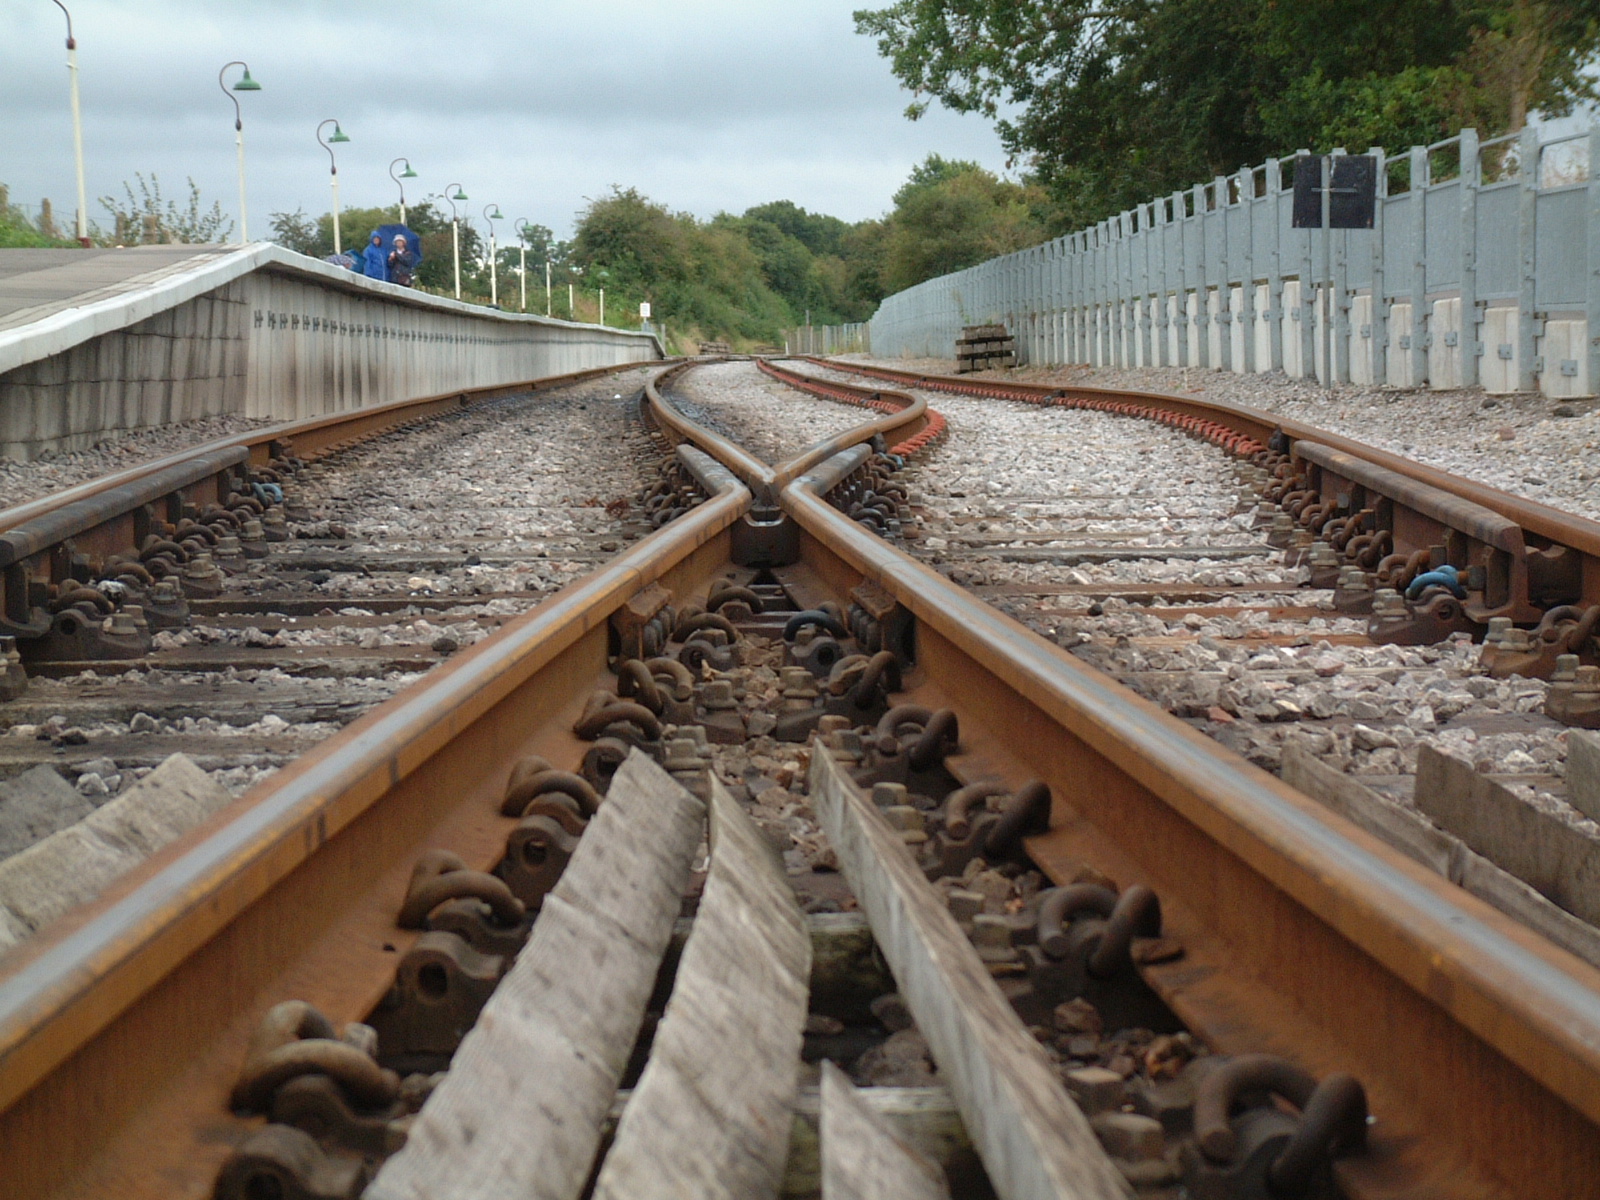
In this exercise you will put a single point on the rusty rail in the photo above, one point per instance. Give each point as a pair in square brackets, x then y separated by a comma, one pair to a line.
[907, 418]
[289, 893]
[1558, 562]
[122, 1026]
[1303, 935]
[45, 543]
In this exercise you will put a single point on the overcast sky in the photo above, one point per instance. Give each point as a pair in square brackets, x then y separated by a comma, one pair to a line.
[703, 105]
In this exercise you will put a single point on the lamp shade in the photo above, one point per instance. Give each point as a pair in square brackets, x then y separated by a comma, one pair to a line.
[408, 173]
[338, 134]
[247, 84]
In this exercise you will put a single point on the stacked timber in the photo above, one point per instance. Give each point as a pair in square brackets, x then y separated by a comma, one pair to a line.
[983, 347]
[715, 348]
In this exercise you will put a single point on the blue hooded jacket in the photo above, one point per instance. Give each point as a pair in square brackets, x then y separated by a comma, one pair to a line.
[376, 259]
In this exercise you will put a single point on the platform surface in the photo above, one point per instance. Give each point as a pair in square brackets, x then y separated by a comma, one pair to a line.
[36, 284]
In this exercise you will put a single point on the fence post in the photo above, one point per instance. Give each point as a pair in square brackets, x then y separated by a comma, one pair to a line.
[1419, 266]
[1308, 301]
[1101, 330]
[1527, 215]
[1379, 329]
[1219, 187]
[1202, 317]
[1592, 292]
[1339, 299]
[1180, 216]
[1247, 273]
[1130, 329]
[1133, 233]
[1469, 341]
[1147, 216]
[1274, 170]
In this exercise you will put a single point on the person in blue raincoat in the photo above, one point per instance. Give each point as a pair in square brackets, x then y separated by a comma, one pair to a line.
[376, 259]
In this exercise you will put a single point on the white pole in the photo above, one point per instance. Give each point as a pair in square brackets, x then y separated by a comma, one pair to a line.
[244, 216]
[602, 306]
[77, 141]
[455, 247]
[402, 208]
[549, 310]
[337, 248]
[494, 280]
[572, 311]
[522, 273]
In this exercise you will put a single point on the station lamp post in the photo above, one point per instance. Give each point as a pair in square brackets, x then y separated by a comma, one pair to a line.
[523, 225]
[77, 127]
[455, 229]
[491, 214]
[333, 174]
[246, 84]
[408, 173]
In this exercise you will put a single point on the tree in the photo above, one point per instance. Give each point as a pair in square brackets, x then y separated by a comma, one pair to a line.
[149, 217]
[1109, 102]
[296, 231]
[954, 215]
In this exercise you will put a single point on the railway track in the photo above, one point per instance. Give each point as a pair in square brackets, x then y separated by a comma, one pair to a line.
[963, 773]
[295, 620]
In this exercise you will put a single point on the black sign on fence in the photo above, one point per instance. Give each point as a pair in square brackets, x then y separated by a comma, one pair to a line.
[1352, 197]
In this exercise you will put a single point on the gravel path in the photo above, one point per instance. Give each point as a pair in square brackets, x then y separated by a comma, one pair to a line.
[772, 421]
[51, 471]
[1528, 445]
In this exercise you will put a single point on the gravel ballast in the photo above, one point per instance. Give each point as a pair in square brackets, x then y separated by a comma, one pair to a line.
[1526, 444]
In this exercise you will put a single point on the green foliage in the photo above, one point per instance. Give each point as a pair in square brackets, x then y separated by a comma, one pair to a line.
[742, 278]
[18, 232]
[148, 217]
[1110, 102]
[953, 215]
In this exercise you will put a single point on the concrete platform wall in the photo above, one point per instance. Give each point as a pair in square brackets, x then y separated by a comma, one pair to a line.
[267, 334]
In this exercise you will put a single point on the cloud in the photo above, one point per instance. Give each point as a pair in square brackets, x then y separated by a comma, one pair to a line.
[704, 105]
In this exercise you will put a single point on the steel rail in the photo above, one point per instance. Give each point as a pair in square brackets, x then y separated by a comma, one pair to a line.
[909, 419]
[1304, 935]
[109, 515]
[1540, 520]
[290, 892]
[309, 435]
[1479, 1041]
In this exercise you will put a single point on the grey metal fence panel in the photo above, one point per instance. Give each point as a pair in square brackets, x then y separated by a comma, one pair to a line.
[1442, 209]
[1497, 256]
[1156, 284]
[1560, 261]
